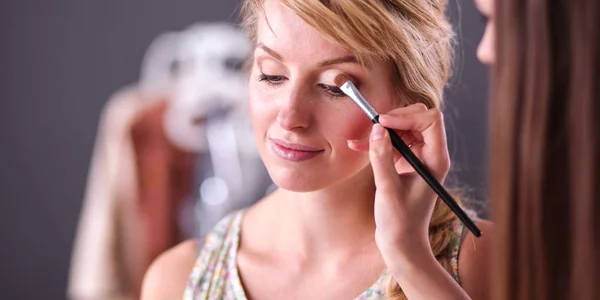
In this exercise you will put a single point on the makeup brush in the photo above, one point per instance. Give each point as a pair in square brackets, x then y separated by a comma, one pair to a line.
[345, 84]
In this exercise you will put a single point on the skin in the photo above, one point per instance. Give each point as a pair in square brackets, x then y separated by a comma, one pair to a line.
[485, 51]
[343, 217]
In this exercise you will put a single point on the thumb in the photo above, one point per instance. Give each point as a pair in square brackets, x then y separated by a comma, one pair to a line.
[381, 155]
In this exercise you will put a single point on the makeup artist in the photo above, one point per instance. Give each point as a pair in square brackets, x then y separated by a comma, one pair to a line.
[350, 220]
[545, 143]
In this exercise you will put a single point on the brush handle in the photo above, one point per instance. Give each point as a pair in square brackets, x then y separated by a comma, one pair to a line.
[414, 161]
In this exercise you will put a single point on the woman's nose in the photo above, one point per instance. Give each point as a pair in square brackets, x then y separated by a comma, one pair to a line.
[295, 110]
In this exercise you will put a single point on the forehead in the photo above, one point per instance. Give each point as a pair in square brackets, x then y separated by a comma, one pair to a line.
[281, 29]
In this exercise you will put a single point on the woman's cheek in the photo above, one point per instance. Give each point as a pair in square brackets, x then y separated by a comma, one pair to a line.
[260, 108]
[356, 124]
[353, 124]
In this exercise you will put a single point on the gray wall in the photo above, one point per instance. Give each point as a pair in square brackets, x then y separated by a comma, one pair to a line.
[60, 61]
[466, 108]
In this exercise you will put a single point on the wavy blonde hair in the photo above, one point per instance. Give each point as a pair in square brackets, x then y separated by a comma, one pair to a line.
[414, 36]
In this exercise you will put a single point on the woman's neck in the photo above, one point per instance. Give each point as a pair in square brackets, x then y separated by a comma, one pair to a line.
[334, 222]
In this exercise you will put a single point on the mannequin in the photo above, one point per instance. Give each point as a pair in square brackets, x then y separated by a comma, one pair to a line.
[208, 115]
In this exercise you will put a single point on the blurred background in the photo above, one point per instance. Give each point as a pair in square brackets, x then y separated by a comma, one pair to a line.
[62, 62]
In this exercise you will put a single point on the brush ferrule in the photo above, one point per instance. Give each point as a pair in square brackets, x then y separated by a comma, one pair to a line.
[350, 89]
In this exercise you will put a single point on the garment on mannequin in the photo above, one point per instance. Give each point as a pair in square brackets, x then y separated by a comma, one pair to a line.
[105, 262]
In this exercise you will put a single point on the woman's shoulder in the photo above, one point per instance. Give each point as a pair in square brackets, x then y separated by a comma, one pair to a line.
[167, 276]
[475, 259]
[171, 273]
[223, 232]
[215, 265]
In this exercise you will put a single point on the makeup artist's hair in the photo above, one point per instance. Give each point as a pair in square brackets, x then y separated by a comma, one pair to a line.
[414, 36]
[545, 145]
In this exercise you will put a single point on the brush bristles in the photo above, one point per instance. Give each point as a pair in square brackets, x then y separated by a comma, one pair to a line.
[340, 79]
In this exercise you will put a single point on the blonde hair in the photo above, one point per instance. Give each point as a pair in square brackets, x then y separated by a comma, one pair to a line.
[414, 36]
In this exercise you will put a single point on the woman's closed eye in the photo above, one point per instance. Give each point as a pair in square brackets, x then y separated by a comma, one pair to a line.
[332, 91]
[272, 79]
[275, 80]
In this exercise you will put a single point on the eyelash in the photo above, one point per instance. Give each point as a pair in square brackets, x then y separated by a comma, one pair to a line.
[275, 80]
[271, 79]
[332, 91]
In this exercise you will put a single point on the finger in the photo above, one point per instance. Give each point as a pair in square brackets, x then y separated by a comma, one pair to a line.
[417, 121]
[430, 128]
[397, 156]
[358, 145]
[409, 137]
[409, 109]
[363, 146]
[430, 121]
[382, 160]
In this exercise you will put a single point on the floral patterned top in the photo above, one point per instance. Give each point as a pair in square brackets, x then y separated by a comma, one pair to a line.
[215, 274]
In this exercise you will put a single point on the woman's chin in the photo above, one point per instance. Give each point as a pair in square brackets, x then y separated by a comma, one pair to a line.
[295, 182]
[309, 179]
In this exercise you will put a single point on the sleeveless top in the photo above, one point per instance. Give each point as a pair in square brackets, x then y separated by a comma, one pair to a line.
[215, 274]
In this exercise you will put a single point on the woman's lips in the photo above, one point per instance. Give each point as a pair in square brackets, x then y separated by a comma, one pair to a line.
[293, 152]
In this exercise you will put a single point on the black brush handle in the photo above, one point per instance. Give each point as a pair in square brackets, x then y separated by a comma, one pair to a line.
[414, 161]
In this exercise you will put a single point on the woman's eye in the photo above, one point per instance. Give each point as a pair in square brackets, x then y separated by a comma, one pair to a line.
[271, 79]
[332, 91]
[274, 80]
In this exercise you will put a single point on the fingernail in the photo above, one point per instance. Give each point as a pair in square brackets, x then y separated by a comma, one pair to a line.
[351, 146]
[377, 132]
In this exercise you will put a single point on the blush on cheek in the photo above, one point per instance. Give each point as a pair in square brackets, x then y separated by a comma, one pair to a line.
[355, 125]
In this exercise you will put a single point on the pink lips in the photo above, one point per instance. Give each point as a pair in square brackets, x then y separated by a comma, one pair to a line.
[293, 152]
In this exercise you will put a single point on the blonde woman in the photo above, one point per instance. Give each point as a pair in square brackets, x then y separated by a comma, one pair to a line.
[350, 219]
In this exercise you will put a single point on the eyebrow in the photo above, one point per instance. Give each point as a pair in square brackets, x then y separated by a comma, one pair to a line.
[270, 51]
[340, 60]
[325, 63]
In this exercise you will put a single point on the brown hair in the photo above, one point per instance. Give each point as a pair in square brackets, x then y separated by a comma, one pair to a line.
[545, 149]
[414, 36]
